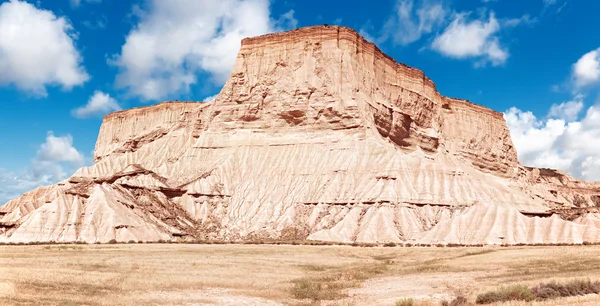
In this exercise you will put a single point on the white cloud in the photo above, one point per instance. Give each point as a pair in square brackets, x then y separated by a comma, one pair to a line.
[98, 23]
[525, 19]
[411, 21]
[209, 98]
[99, 104]
[365, 33]
[468, 39]
[586, 70]
[13, 185]
[59, 149]
[37, 49]
[171, 44]
[561, 7]
[56, 158]
[77, 3]
[567, 111]
[551, 3]
[563, 143]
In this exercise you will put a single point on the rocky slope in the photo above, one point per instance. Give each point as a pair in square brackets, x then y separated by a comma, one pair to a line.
[316, 135]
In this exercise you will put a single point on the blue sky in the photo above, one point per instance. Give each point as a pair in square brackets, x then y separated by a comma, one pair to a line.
[66, 63]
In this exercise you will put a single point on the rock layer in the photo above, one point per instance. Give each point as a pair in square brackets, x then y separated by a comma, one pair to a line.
[316, 135]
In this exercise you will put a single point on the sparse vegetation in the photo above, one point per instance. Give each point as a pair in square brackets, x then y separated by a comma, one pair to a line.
[543, 291]
[190, 240]
[475, 253]
[125, 274]
[405, 302]
[332, 286]
[458, 301]
[572, 288]
[508, 293]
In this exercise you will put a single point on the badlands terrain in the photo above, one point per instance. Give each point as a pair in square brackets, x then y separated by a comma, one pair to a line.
[317, 135]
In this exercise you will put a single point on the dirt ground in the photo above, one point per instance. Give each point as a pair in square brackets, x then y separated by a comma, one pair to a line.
[189, 274]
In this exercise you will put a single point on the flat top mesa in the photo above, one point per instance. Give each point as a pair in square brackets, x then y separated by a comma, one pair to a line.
[315, 135]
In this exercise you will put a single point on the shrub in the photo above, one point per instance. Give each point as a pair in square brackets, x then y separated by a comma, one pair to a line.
[459, 301]
[510, 293]
[572, 288]
[405, 302]
[543, 291]
[390, 244]
[112, 241]
[316, 289]
[546, 293]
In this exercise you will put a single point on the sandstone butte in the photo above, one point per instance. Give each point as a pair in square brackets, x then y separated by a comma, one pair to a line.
[316, 135]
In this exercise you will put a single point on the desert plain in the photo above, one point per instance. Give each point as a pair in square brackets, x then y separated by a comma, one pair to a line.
[229, 274]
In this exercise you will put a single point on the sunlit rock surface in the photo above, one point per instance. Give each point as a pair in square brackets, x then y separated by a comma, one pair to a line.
[316, 135]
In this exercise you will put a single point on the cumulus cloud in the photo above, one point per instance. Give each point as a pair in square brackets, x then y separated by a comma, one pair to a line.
[37, 49]
[59, 149]
[99, 104]
[411, 20]
[567, 111]
[472, 39]
[171, 44]
[586, 70]
[55, 159]
[565, 139]
[559, 141]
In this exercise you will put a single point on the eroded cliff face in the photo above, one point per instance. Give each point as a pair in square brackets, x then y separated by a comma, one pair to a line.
[316, 135]
[331, 78]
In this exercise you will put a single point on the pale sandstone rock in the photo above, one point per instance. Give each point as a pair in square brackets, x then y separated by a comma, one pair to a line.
[317, 134]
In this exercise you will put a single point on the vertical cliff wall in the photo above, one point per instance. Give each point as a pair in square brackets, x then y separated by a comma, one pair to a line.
[332, 78]
[129, 129]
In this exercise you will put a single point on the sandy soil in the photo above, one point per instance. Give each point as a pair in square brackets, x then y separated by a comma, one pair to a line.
[165, 274]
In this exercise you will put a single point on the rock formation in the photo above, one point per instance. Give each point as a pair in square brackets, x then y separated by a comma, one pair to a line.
[316, 135]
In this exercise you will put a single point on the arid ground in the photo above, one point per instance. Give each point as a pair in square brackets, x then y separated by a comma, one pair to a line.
[191, 274]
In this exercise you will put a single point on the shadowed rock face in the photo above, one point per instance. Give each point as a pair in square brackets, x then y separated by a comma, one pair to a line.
[316, 135]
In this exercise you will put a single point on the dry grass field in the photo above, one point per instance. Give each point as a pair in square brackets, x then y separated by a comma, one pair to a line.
[190, 274]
